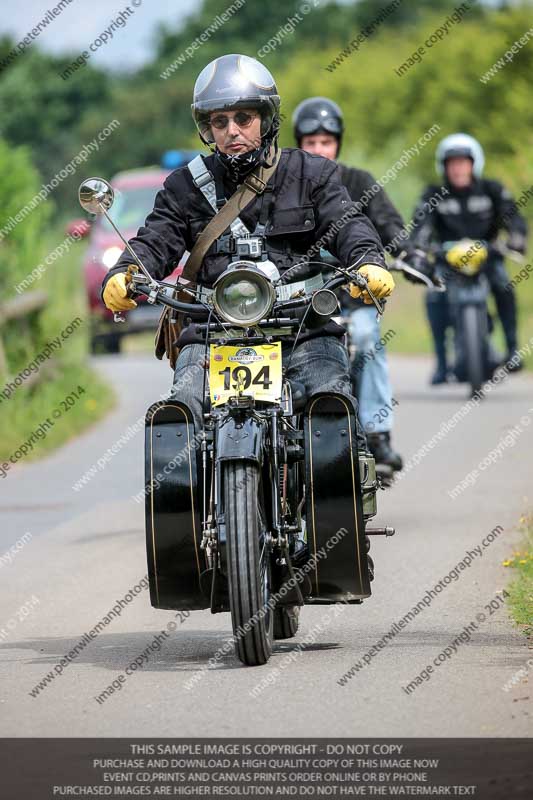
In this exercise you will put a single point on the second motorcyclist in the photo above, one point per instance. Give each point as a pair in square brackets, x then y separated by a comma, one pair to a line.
[318, 128]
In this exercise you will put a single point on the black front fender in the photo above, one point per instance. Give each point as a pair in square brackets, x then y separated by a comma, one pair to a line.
[240, 439]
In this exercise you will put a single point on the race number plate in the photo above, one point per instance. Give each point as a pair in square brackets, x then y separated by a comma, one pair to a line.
[254, 371]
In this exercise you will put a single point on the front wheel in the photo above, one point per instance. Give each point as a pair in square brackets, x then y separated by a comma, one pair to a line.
[474, 348]
[249, 568]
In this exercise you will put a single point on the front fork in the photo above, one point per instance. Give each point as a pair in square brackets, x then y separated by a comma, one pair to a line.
[238, 433]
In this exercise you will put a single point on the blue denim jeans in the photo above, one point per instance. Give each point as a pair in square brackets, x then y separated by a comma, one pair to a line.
[371, 371]
[316, 365]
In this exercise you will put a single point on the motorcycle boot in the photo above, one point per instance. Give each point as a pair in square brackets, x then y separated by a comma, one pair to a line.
[381, 449]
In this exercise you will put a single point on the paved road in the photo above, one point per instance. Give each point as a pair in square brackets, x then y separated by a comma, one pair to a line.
[87, 550]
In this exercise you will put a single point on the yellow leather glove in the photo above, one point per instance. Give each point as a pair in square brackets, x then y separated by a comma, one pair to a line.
[467, 256]
[380, 282]
[115, 294]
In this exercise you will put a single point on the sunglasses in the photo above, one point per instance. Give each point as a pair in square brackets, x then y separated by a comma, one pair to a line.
[240, 118]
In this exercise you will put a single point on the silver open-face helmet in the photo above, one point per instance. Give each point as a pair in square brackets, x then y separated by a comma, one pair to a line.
[460, 145]
[231, 82]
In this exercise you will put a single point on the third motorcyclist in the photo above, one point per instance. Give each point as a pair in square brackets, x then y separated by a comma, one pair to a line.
[474, 208]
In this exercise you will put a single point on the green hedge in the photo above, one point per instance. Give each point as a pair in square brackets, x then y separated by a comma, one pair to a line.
[23, 404]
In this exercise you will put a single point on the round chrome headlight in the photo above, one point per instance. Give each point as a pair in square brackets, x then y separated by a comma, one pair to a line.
[243, 295]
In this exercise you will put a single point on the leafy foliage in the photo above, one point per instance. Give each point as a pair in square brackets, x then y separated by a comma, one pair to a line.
[384, 112]
[23, 338]
[44, 112]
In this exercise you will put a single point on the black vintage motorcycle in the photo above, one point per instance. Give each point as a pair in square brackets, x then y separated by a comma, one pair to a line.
[265, 508]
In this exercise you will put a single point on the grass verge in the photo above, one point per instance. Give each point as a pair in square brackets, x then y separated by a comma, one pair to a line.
[521, 587]
[60, 375]
[90, 399]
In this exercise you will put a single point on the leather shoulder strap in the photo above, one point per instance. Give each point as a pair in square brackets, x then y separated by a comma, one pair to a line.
[253, 185]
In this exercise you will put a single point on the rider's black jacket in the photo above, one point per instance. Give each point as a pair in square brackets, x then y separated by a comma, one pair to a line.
[377, 206]
[307, 204]
[478, 211]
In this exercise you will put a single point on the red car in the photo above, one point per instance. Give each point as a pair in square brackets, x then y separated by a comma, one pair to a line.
[135, 192]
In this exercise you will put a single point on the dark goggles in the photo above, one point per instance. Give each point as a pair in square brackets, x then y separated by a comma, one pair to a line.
[314, 125]
[241, 118]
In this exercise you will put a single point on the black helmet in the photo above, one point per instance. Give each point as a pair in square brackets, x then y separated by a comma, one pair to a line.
[235, 81]
[317, 115]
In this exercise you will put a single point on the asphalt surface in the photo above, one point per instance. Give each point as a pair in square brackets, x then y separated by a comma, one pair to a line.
[87, 550]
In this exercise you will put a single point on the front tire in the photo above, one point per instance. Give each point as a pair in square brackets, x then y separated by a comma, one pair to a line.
[474, 345]
[249, 568]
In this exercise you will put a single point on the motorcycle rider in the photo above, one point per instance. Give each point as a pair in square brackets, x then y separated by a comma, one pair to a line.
[474, 208]
[236, 111]
[318, 128]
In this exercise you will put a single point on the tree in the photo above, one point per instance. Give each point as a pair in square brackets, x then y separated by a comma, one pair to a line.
[43, 112]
